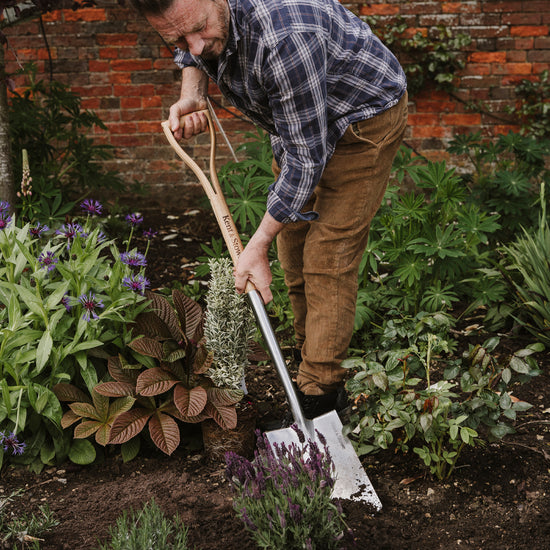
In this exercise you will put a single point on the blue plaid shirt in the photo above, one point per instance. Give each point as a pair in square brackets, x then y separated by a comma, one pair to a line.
[303, 70]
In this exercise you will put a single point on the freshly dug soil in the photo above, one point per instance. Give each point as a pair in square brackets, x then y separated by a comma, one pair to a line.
[497, 499]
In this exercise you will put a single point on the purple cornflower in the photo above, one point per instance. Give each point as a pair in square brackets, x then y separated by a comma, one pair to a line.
[47, 260]
[4, 219]
[149, 234]
[92, 207]
[66, 302]
[11, 443]
[137, 283]
[134, 219]
[90, 303]
[38, 229]
[70, 231]
[133, 259]
[4, 206]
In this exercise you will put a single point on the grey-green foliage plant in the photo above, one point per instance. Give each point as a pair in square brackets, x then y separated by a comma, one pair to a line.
[48, 121]
[399, 404]
[229, 326]
[283, 496]
[147, 528]
[65, 305]
[24, 531]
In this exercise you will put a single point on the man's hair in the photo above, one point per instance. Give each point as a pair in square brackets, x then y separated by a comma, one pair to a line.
[151, 7]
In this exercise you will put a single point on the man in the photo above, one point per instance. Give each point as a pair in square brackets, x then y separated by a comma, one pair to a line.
[333, 99]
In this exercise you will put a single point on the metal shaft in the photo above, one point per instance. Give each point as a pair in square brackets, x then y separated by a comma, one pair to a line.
[277, 357]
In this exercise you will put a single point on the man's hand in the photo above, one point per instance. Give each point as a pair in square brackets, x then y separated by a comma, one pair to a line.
[253, 263]
[194, 85]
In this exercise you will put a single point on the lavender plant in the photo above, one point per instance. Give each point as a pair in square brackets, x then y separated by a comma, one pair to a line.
[283, 497]
[64, 308]
[228, 328]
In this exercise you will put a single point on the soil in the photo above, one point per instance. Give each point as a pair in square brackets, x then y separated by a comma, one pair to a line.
[498, 497]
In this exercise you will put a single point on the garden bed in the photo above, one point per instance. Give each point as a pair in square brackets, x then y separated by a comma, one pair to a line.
[497, 498]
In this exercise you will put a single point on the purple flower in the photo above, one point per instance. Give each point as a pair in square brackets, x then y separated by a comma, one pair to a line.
[4, 219]
[10, 443]
[134, 219]
[66, 302]
[137, 283]
[91, 207]
[4, 206]
[133, 259]
[90, 303]
[47, 260]
[38, 229]
[149, 234]
[70, 231]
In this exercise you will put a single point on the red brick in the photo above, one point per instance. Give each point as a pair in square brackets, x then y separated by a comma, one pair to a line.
[461, 119]
[522, 19]
[92, 91]
[461, 7]
[476, 69]
[155, 101]
[379, 9]
[539, 56]
[91, 103]
[98, 66]
[424, 119]
[132, 65]
[513, 68]
[122, 127]
[487, 57]
[511, 80]
[120, 78]
[130, 103]
[429, 106]
[539, 67]
[85, 14]
[540, 6]
[140, 114]
[52, 16]
[498, 6]
[150, 127]
[429, 131]
[516, 56]
[108, 53]
[524, 43]
[119, 39]
[131, 140]
[142, 90]
[529, 31]
[542, 43]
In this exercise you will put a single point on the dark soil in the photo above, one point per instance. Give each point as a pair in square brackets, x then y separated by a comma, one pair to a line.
[498, 498]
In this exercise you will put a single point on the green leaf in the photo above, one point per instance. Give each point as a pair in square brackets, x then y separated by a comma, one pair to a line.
[519, 365]
[44, 350]
[130, 449]
[82, 452]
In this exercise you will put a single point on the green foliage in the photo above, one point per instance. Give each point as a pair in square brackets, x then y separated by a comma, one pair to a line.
[148, 528]
[48, 122]
[283, 497]
[64, 309]
[433, 57]
[229, 327]
[398, 404]
[24, 531]
[528, 270]
[533, 106]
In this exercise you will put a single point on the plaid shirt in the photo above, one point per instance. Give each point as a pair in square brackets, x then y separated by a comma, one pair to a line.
[303, 70]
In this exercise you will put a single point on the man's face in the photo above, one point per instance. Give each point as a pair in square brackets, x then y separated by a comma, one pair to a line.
[198, 26]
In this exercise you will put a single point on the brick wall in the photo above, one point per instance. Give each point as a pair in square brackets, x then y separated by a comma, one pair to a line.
[124, 72]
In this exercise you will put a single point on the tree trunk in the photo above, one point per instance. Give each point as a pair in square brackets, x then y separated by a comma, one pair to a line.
[7, 187]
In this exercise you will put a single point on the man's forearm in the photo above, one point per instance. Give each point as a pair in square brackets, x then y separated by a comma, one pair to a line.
[194, 84]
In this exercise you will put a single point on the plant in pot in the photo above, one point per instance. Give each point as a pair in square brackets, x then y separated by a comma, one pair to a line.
[166, 379]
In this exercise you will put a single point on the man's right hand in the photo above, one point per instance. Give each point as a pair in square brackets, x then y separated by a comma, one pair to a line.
[195, 121]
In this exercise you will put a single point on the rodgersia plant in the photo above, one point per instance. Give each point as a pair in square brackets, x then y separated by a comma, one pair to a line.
[64, 308]
[228, 328]
[283, 496]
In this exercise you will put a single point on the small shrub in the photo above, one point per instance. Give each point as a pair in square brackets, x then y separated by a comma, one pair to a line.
[283, 497]
[148, 528]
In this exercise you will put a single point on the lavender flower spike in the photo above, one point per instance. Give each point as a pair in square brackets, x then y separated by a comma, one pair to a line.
[47, 260]
[134, 219]
[91, 207]
[133, 259]
[12, 444]
[137, 283]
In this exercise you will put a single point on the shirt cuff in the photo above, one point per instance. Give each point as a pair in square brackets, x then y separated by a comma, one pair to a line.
[284, 214]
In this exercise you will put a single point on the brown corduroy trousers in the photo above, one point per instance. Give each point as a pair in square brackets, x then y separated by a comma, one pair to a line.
[321, 258]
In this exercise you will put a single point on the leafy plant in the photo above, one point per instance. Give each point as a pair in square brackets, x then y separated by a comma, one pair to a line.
[23, 531]
[48, 122]
[434, 56]
[64, 308]
[229, 327]
[283, 497]
[167, 383]
[147, 528]
[533, 105]
[397, 402]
